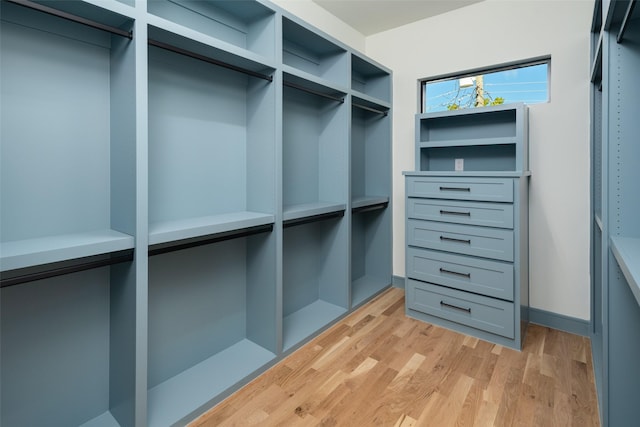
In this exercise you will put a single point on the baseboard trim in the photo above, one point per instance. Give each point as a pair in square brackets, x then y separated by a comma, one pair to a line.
[559, 321]
[397, 282]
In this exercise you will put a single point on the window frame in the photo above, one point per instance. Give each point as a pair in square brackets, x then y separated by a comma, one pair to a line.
[422, 83]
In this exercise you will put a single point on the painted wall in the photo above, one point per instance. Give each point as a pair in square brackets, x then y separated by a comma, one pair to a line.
[485, 34]
[325, 21]
[494, 32]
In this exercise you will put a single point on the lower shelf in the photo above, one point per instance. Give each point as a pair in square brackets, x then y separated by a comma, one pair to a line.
[171, 231]
[365, 287]
[45, 250]
[104, 420]
[181, 395]
[293, 214]
[301, 324]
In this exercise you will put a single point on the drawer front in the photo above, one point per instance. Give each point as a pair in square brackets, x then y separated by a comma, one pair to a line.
[454, 188]
[480, 276]
[471, 213]
[484, 242]
[487, 314]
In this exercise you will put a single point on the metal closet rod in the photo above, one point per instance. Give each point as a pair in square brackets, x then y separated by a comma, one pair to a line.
[70, 17]
[373, 110]
[314, 92]
[203, 58]
[85, 264]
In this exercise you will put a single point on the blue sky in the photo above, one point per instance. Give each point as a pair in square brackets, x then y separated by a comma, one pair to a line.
[526, 84]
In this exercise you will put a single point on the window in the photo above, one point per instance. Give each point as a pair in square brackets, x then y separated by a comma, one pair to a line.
[523, 82]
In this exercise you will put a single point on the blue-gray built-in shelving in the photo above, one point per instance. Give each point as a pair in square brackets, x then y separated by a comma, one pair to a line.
[615, 230]
[190, 190]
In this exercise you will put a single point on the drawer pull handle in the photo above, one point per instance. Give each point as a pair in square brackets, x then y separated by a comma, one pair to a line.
[455, 189]
[451, 239]
[454, 213]
[455, 307]
[444, 270]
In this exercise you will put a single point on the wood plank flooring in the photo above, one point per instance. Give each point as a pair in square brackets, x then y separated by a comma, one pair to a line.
[377, 367]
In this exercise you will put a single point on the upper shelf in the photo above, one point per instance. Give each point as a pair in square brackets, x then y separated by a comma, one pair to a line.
[309, 52]
[112, 18]
[626, 250]
[370, 80]
[247, 25]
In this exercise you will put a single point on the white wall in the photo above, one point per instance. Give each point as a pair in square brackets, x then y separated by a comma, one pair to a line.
[325, 21]
[495, 32]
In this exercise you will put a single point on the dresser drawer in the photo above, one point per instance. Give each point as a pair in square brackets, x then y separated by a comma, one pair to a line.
[463, 239]
[487, 314]
[454, 188]
[471, 213]
[480, 276]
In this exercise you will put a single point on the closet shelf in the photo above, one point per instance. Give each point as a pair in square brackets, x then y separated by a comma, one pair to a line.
[626, 251]
[302, 79]
[369, 101]
[190, 228]
[468, 142]
[367, 203]
[309, 212]
[181, 37]
[45, 250]
[366, 287]
[104, 420]
[74, 18]
[309, 319]
[209, 60]
[196, 387]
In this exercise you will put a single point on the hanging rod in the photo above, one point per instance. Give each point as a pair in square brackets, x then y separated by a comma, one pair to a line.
[216, 238]
[194, 55]
[309, 219]
[374, 207]
[70, 17]
[625, 20]
[81, 265]
[373, 110]
[314, 92]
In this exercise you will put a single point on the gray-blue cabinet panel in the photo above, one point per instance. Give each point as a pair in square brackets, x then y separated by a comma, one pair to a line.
[454, 188]
[480, 276]
[464, 239]
[461, 212]
[488, 314]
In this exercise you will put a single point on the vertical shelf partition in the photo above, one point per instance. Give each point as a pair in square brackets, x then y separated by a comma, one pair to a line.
[67, 210]
[250, 150]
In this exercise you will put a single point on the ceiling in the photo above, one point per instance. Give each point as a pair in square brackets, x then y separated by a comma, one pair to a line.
[374, 16]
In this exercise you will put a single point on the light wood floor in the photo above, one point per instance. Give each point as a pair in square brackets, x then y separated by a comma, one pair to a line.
[379, 368]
